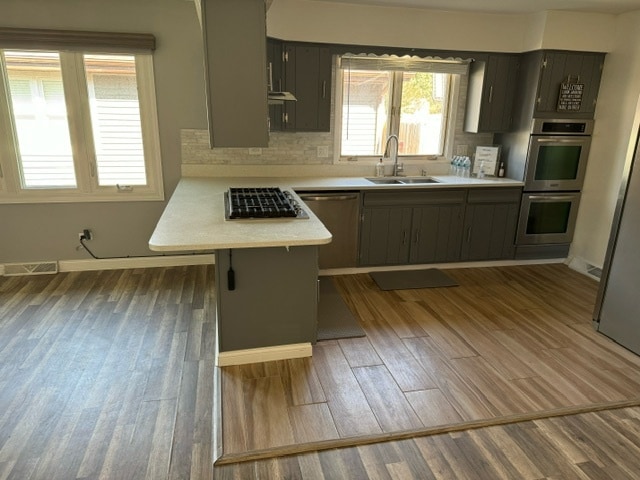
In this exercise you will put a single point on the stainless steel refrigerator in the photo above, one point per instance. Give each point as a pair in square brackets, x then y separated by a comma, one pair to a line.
[617, 310]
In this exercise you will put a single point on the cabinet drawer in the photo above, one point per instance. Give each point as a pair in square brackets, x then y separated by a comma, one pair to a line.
[494, 195]
[413, 198]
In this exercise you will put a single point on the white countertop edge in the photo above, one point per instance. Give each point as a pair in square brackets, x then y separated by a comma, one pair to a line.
[231, 245]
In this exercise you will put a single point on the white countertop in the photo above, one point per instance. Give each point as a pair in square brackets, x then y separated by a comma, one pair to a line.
[194, 217]
[194, 221]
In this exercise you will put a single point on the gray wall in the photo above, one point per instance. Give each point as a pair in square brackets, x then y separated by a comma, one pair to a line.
[35, 232]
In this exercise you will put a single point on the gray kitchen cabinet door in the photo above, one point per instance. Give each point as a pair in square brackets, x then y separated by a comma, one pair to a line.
[579, 67]
[492, 86]
[385, 235]
[307, 72]
[491, 218]
[436, 233]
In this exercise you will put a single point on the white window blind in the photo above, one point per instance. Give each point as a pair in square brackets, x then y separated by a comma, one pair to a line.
[404, 64]
[77, 124]
[390, 95]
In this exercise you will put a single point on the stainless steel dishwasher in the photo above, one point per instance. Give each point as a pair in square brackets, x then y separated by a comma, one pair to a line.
[339, 212]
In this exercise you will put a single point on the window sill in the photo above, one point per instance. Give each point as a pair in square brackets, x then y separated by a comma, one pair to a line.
[80, 198]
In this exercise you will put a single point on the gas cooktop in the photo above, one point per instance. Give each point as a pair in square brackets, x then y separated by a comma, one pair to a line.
[261, 202]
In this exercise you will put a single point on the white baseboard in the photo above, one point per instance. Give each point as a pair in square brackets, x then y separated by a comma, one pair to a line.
[263, 354]
[580, 265]
[137, 262]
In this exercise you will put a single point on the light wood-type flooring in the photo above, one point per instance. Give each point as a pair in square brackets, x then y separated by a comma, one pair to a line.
[508, 344]
[110, 375]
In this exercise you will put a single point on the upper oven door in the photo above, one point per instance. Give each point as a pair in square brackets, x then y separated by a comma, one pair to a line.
[556, 163]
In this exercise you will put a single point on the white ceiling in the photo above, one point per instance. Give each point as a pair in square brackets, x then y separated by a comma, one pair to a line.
[508, 6]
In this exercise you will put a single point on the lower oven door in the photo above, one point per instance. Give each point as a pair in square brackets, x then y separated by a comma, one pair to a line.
[547, 218]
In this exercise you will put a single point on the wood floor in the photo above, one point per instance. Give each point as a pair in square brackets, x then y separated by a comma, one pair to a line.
[109, 375]
[508, 344]
[597, 446]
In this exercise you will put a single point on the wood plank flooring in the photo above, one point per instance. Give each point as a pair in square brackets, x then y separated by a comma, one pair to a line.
[107, 375]
[111, 374]
[602, 445]
[508, 344]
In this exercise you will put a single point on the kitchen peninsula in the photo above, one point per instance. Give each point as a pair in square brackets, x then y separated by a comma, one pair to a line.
[266, 269]
[267, 308]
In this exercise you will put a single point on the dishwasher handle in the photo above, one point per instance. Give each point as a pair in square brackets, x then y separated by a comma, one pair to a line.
[328, 197]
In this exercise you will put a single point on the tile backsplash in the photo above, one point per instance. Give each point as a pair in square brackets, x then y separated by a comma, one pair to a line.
[303, 148]
[285, 148]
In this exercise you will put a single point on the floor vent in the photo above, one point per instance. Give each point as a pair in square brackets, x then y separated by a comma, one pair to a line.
[41, 268]
[595, 271]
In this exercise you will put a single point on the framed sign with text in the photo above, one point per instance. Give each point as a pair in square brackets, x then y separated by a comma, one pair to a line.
[489, 157]
[570, 96]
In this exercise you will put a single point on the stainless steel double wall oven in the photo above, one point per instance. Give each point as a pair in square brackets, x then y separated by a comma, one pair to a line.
[553, 168]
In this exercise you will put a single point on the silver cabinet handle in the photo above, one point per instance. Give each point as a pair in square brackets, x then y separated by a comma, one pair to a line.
[324, 89]
[469, 235]
[270, 68]
[285, 118]
[491, 94]
[552, 197]
[404, 237]
[325, 198]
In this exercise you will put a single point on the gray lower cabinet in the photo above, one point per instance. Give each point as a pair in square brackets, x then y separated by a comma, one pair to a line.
[490, 222]
[274, 300]
[411, 227]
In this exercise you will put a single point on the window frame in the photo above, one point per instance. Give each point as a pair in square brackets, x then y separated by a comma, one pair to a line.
[77, 101]
[450, 121]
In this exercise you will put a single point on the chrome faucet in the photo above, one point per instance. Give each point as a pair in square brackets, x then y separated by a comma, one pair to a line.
[397, 168]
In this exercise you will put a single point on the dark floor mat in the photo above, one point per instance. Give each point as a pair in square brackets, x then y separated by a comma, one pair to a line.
[335, 320]
[407, 279]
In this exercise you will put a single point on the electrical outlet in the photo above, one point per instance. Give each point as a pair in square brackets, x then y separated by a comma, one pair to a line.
[85, 234]
[461, 149]
[323, 151]
[255, 151]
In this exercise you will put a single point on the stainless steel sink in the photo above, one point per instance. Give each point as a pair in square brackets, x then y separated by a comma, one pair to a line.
[418, 180]
[402, 180]
[384, 181]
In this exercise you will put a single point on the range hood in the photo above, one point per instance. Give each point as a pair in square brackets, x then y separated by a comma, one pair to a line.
[278, 98]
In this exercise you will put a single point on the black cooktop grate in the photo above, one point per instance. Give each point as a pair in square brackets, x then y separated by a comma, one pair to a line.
[261, 202]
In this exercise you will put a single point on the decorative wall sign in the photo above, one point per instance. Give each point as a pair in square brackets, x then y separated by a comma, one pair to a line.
[570, 96]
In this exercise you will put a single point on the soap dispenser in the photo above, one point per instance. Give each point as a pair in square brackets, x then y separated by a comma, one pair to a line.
[380, 169]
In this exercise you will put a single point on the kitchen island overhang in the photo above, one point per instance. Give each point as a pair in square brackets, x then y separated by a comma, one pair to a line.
[267, 307]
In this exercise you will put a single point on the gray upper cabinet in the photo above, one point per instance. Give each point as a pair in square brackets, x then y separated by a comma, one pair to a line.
[577, 67]
[492, 86]
[541, 75]
[305, 70]
[236, 86]
[411, 227]
[490, 224]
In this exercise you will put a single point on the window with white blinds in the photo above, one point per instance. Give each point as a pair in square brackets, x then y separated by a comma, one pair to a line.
[409, 97]
[78, 126]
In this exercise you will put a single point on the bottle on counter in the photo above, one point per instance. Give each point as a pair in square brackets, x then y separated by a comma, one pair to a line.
[501, 170]
[466, 167]
[481, 171]
[380, 168]
[452, 166]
